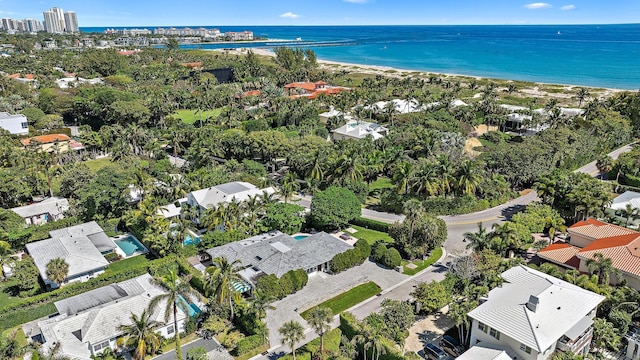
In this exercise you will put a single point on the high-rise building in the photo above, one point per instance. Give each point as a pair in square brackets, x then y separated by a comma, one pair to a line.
[71, 22]
[54, 20]
[33, 25]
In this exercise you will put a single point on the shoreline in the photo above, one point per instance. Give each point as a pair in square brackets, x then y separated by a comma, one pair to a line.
[384, 70]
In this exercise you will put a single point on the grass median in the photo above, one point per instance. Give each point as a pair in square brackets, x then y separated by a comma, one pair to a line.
[348, 299]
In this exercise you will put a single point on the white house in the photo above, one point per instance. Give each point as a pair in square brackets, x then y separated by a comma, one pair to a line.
[89, 323]
[621, 201]
[234, 191]
[357, 130]
[81, 246]
[48, 210]
[15, 124]
[533, 314]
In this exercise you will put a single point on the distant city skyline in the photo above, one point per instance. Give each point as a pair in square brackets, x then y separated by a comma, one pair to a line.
[331, 12]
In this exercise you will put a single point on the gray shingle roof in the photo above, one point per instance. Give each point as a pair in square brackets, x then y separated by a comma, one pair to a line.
[561, 306]
[91, 230]
[101, 322]
[268, 252]
[78, 251]
[54, 206]
[99, 296]
[240, 191]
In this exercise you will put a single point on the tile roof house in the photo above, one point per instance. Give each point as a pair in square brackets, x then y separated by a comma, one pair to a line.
[52, 142]
[50, 209]
[277, 253]
[533, 314]
[357, 130]
[89, 323]
[234, 191]
[81, 246]
[311, 90]
[591, 237]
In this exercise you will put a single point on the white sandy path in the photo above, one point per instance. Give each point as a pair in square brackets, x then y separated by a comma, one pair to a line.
[428, 330]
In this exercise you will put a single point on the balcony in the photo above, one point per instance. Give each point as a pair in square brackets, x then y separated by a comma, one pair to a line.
[566, 344]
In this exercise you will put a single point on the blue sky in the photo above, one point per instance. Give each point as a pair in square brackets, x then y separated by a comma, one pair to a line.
[330, 12]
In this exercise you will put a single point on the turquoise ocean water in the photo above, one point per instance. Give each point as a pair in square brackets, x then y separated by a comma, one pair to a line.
[589, 55]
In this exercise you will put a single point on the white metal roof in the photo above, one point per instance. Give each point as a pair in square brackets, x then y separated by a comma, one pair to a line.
[561, 306]
[54, 206]
[628, 197]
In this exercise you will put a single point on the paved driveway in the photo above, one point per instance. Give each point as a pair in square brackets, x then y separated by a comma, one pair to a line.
[322, 287]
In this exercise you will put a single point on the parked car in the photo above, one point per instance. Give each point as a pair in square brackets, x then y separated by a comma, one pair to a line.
[451, 346]
[432, 352]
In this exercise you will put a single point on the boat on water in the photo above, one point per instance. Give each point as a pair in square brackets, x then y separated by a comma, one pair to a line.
[299, 39]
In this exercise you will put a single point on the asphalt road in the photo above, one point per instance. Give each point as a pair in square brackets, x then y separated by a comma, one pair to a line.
[591, 168]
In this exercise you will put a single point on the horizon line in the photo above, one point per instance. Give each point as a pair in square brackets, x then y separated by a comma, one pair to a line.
[358, 25]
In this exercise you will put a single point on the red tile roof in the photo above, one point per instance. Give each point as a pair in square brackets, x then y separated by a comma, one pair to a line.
[561, 253]
[46, 139]
[595, 229]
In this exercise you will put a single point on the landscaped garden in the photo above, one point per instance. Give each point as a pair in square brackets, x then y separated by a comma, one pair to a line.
[422, 264]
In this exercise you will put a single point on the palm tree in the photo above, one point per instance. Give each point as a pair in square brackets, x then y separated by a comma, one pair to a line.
[221, 277]
[292, 333]
[57, 270]
[629, 212]
[504, 238]
[478, 240]
[413, 210]
[603, 267]
[177, 295]
[402, 177]
[142, 335]
[260, 303]
[348, 348]
[581, 95]
[468, 177]
[320, 319]
[290, 185]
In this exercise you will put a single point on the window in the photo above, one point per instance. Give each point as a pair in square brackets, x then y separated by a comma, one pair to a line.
[170, 330]
[495, 333]
[525, 348]
[100, 346]
[482, 327]
[25, 125]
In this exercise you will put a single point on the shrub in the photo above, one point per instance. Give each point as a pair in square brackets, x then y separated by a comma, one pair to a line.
[349, 325]
[289, 283]
[334, 208]
[111, 257]
[350, 258]
[384, 256]
[248, 343]
[371, 224]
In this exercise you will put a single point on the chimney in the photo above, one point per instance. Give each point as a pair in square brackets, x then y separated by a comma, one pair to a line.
[533, 302]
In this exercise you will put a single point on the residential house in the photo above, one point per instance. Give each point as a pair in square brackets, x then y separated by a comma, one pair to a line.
[278, 253]
[212, 197]
[81, 246]
[533, 315]
[84, 259]
[590, 237]
[73, 81]
[48, 210]
[52, 143]
[15, 124]
[90, 322]
[357, 130]
[523, 124]
[311, 90]
[28, 79]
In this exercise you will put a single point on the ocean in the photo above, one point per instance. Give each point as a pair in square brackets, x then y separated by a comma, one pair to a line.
[585, 55]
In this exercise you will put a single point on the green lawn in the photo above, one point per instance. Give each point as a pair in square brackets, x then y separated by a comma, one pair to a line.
[5, 296]
[191, 116]
[127, 263]
[371, 236]
[381, 183]
[97, 164]
[423, 264]
[348, 299]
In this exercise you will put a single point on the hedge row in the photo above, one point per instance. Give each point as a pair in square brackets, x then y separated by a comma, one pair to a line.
[289, 283]
[371, 224]
[350, 258]
[32, 308]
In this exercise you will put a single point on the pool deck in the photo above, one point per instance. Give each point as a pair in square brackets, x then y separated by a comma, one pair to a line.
[121, 252]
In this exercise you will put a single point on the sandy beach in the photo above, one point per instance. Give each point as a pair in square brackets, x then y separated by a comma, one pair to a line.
[536, 90]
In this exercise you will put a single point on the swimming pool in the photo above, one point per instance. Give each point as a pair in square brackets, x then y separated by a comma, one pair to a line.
[301, 237]
[130, 245]
[192, 308]
[191, 240]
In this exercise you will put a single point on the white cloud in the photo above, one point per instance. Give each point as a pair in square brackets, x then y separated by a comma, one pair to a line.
[356, 1]
[568, 7]
[290, 15]
[538, 5]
